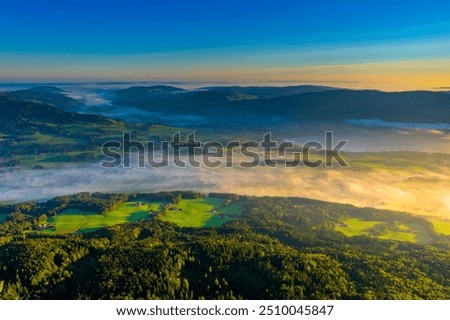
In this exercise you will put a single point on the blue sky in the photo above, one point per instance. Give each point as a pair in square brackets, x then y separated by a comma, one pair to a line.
[221, 40]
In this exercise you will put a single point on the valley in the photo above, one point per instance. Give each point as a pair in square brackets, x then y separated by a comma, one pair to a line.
[375, 229]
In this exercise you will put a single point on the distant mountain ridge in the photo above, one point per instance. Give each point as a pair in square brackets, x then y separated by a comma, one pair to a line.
[45, 94]
[270, 92]
[253, 106]
[25, 115]
[410, 106]
[309, 103]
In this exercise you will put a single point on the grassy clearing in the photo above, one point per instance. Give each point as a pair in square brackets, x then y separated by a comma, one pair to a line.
[356, 227]
[399, 236]
[53, 149]
[441, 226]
[203, 212]
[73, 220]
[51, 159]
[411, 232]
[421, 233]
[39, 138]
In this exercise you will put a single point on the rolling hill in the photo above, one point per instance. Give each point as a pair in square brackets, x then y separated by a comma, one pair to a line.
[260, 105]
[234, 106]
[26, 115]
[46, 94]
[37, 134]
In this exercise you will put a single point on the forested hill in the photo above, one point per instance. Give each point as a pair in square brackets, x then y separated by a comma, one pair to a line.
[254, 106]
[47, 95]
[305, 103]
[279, 248]
[35, 133]
[22, 114]
[32, 128]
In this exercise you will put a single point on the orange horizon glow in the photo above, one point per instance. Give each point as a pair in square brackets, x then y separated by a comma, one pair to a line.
[431, 75]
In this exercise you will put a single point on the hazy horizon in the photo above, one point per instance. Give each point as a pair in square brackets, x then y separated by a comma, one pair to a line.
[390, 46]
[190, 85]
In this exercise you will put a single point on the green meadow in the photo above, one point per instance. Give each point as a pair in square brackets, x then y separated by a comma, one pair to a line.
[409, 236]
[203, 212]
[356, 227]
[78, 139]
[411, 232]
[39, 138]
[441, 226]
[73, 220]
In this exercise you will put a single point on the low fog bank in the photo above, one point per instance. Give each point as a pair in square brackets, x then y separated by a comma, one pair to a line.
[418, 192]
[31, 184]
[99, 102]
[374, 138]
[362, 135]
[417, 189]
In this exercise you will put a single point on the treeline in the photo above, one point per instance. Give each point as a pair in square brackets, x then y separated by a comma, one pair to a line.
[91, 202]
[278, 249]
[95, 202]
[169, 197]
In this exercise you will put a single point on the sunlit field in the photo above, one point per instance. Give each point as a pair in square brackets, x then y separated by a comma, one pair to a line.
[73, 220]
[203, 212]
